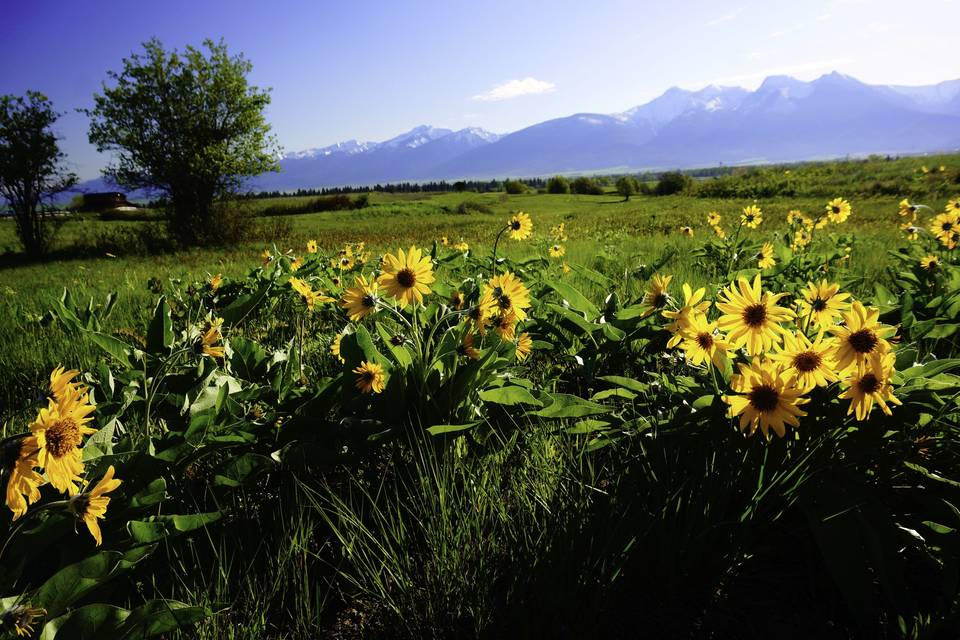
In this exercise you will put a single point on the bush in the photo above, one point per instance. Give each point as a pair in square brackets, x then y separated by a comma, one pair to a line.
[558, 184]
[627, 186]
[514, 187]
[672, 182]
[468, 206]
[586, 186]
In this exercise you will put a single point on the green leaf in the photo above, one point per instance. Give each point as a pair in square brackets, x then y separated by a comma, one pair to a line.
[441, 429]
[74, 581]
[241, 469]
[152, 494]
[613, 393]
[240, 308]
[120, 350]
[160, 616]
[626, 383]
[160, 331]
[576, 300]
[160, 527]
[91, 622]
[565, 405]
[509, 395]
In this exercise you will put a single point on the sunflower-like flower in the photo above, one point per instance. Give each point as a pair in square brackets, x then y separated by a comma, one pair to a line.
[809, 362]
[686, 231]
[907, 209]
[953, 206]
[361, 299]
[701, 343]
[19, 457]
[860, 336]
[58, 432]
[311, 246]
[838, 210]
[794, 216]
[310, 296]
[764, 257]
[215, 281]
[768, 399]
[559, 233]
[944, 225]
[520, 226]
[524, 346]
[714, 218]
[930, 263]
[911, 231]
[444, 241]
[19, 619]
[509, 294]
[751, 316]
[466, 347]
[456, 300]
[461, 246]
[822, 304]
[869, 383]
[557, 251]
[479, 315]
[266, 257]
[505, 324]
[752, 217]
[693, 304]
[61, 382]
[370, 377]
[655, 298]
[720, 233]
[406, 275]
[801, 238]
[207, 342]
[335, 347]
[91, 505]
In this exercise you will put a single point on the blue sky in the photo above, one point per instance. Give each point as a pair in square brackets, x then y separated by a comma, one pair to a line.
[371, 69]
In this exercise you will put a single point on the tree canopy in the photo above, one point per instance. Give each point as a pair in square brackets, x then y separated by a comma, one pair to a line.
[188, 125]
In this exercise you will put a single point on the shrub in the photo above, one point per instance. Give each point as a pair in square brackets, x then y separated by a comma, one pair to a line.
[586, 186]
[627, 186]
[514, 187]
[558, 184]
[672, 182]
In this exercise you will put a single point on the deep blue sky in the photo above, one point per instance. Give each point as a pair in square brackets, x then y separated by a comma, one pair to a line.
[370, 69]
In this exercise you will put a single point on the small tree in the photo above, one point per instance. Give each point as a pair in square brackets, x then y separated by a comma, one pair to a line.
[672, 182]
[586, 186]
[627, 186]
[31, 170]
[187, 125]
[558, 184]
[514, 187]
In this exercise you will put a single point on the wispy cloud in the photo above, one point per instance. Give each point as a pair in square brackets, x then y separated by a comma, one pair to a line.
[515, 89]
[819, 65]
[727, 17]
[773, 35]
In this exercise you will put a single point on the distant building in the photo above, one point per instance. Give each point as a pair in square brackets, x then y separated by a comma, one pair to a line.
[104, 201]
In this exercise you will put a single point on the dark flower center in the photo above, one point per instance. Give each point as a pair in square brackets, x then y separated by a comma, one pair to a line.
[819, 304]
[659, 300]
[869, 384]
[504, 302]
[835, 209]
[755, 315]
[63, 436]
[406, 278]
[705, 340]
[515, 225]
[863, 341]
[946, 226]
[369, 301]
[807, 361]
[367, 376]
[749, 217]
[397, 340]
[764, 398]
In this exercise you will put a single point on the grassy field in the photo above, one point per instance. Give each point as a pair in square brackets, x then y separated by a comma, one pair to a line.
[511, 469]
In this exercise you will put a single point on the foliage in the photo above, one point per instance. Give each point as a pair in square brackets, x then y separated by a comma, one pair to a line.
[31, 166]
[672, 182]
[514, 187]
[558, 184]
[627, 186]
[586, 186]
[207, 136]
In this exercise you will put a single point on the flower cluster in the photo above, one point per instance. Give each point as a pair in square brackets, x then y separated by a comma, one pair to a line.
[52, 452]
[823, 340]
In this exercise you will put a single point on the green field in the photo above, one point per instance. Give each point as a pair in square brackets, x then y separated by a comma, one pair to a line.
[491, 494]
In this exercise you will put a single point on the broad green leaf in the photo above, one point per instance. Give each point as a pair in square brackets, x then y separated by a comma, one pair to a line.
[120, 350]
[565, 405]
[89, 622]
[441, 429]
[240, 308]
[573, 297]
[626, 383]
[509, 395]
[159, 527]
[160, 331]
[241, 469]
[74, 581]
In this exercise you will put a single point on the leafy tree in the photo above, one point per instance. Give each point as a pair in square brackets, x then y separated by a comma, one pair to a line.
[586, 186]
[672, 182]
[514, 187]
[188, 125]
[558, 184]
[627, 186]
[31, 170]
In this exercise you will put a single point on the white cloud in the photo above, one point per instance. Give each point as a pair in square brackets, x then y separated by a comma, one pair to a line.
[726, 17]
[515, 89]
[820, 65]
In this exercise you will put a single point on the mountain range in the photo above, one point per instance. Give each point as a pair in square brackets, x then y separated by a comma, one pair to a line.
[783, 120]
